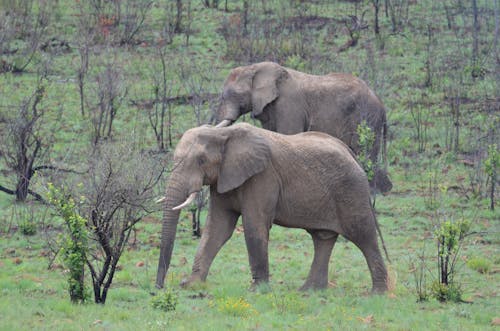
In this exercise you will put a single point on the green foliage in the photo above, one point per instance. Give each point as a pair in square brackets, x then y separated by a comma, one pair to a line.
[75, 244]
[449, 236]
[296, 62]
[365, 141]
[34, 297]
[479, 264]
[166, 300]
[446, 292]
[28, 227]
[237, 307]
[476, 70]
[491, 164]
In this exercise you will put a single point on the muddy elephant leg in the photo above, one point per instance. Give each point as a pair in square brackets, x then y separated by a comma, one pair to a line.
[323, 246]
[257, 239]
[365, 237]
[218, 229]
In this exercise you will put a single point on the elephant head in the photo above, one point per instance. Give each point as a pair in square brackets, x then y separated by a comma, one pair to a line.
[222, 158]
[249, 89]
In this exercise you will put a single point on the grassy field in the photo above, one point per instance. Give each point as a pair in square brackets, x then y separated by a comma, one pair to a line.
[422, 65]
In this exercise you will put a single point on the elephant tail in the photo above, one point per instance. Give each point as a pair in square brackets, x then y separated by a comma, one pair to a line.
[384, 144]
[380, 234]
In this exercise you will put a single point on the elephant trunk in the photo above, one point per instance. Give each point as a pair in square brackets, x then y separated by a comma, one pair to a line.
[226, 115]
[175, 195]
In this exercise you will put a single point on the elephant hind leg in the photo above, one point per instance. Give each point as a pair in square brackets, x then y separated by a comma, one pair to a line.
[371, 252]
[323, 245]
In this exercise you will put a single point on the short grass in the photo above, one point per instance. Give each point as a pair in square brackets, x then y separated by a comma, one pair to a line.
[35, 297]
[429, 185]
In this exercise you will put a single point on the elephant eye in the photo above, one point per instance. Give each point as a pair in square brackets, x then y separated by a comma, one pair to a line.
[201, 160]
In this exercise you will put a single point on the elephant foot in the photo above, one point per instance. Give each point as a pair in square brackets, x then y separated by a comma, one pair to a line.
[379, 288]
[260, 287]
[313, 286]
[191, 282]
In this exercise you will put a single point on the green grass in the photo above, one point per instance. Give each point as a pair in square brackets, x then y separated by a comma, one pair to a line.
[34, 297]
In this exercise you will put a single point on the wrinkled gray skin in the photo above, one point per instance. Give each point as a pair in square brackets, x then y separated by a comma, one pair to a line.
[289, 102]
[309, 181]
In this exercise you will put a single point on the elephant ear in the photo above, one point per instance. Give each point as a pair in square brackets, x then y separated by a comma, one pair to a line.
[265, 87]
[245, 155]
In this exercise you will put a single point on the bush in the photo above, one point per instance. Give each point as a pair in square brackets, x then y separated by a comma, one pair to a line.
[75, 244]
[28, 228]
[479, 264]
[166, 300]
[446, 292]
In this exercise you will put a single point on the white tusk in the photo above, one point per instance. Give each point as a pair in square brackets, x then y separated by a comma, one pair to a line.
[188, 201]
[224, 123]
[160, 199]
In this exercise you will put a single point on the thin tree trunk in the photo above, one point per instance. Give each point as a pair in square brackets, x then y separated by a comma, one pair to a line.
[475, 37]
[245, 17]
[495, 44]
[492, 192]
[376, 4]
[178, 20]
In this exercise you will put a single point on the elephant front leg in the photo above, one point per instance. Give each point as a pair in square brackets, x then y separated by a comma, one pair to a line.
[257, 238]
[218, 229]
[323, 246]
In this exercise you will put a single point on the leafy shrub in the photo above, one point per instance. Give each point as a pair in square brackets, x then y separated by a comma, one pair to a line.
[491, 165]
[479, 264]
[166, 300]
[75, 244]
[446, 292]
[449, 236]
[296, 62]
[28, 228]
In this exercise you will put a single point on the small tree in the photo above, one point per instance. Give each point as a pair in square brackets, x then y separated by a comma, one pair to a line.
[118, 191]
[398, 11]
[25, 143]
[491, 165]
[197, 82]
[116, 22]
[449, 237]
[75, 245]
[111, 91]
[420, 116]
[23, 26]
[160, 114]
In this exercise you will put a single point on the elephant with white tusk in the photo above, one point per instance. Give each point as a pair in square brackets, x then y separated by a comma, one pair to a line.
[288, 101]
[308, 180]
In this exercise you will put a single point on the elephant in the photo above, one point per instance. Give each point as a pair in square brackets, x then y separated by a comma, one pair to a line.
[308, 180]
[288, 101]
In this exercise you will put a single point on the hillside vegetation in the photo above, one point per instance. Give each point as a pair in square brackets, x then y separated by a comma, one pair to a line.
[94, 96]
